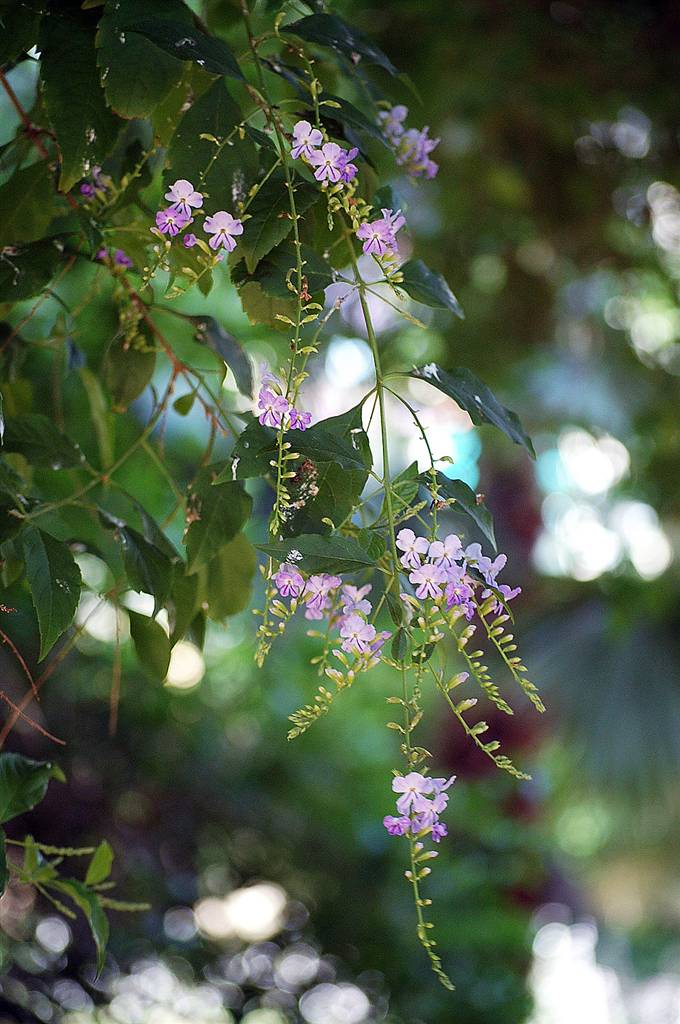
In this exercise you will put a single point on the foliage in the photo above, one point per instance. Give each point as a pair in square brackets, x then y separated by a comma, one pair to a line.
[169, 110]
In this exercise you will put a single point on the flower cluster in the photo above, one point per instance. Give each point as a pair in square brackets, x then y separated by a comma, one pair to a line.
[96, 186]
[420, 803]
[345, 606]
[412, 146]
[120, 258]
[274, 409]
[380, 236]
[443, 567]
[331, 163]
[185, 199]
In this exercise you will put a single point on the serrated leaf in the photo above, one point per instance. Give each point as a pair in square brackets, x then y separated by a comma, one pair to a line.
[54, 581]
[329, 30]
[271, 272]
[136, 75]
[429, 287]
[211, 333]
[148, 569]
[23, 783]
[188, 43]
[270, 221]
[471, 394]
[261, 308]
[99, 868]
[221, 511]
[84, 126]
[232, 168]
[315, 553]
[465, 501]
[36, 438]
[152, 645]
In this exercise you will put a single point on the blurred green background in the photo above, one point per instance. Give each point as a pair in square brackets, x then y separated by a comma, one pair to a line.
[556, 220]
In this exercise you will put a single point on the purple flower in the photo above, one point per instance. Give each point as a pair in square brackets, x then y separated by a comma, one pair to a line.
[289, 582]
[377, 237]
[121, 259]
[397, 826]
[171, 221]
[101, 254]
[412, 546]
[354, 599]
[411, 786]
[316, 593]
[413, 152]
[380, 236]
[439, 830]
[273, 409]
[446, 552]
[439, 785]
[189, 240]
[392, 122]
[357, 634]
[349, 170]
[300, 420]
[460, 592]
[429, 580]
[428, 810]
[87, 189]
[379, 641]
[489, 569]
[305, 139]
[223, 227]
[184, 197]
[329, 162]
[508, 594]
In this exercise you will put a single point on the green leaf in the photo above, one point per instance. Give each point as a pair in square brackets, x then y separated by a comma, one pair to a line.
[329, 30]
[136, 75]
[270, 221]
[152, 645]
[405, 486]
[230, 578]
[373, 542]
[88, 903]
[99, 867]
[23, 783]
[147, 558]
[99, 413]
[271, 272]
[231, 167]
[471, 394]
[429, 287]
[351, 117]
[465, 501]
[36, 438]
[210, 332]
[188, 595]
[220, 511]
[84, 126]
[261, 308]
[188, 43]
[54, 581]
[400, 644]
[314, 553]
[25, 271]
[27, 204]
[20, 24]
[251, 455]
[127, 372]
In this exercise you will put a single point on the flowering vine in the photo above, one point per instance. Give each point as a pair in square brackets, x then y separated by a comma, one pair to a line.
[279, 194]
